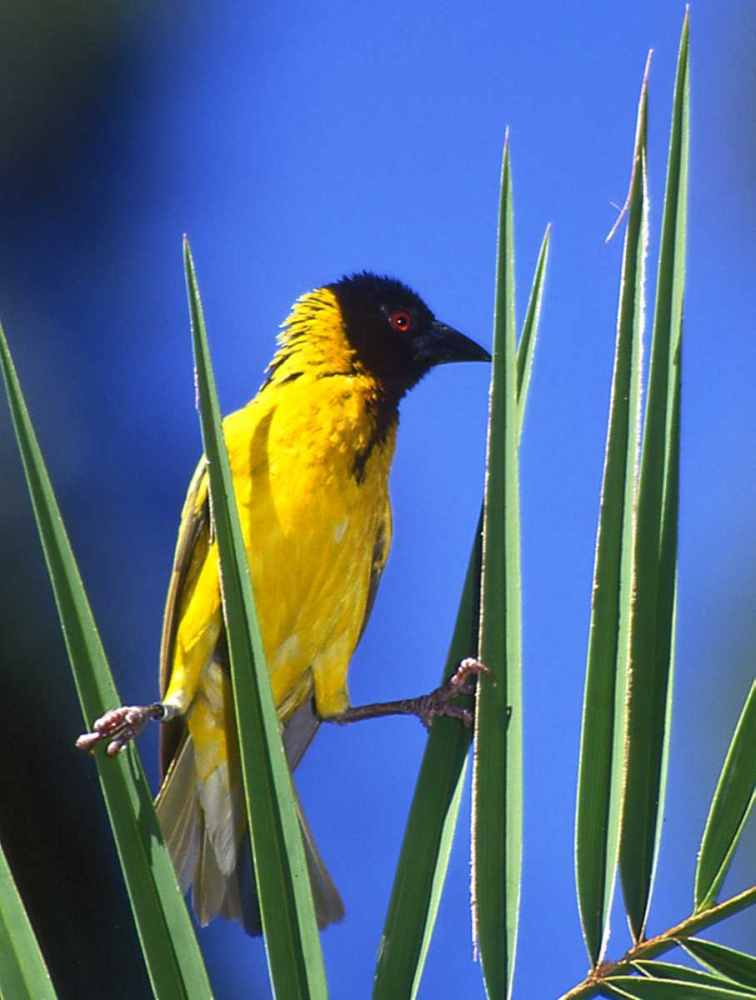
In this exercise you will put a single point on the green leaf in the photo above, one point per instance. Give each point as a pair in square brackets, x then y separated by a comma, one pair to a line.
[667, 989]
[429, 833]
[529, 335]
[726, 961]
[497, 766]
[733, 800]
[23, 972]
[652, 629]
[292, 941]
[682, 974]
[424, 858]
[600, 778]
[169, 946]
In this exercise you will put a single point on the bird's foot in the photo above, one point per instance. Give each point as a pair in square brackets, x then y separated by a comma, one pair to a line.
[439, 702]
[119, 726]
[427, 706]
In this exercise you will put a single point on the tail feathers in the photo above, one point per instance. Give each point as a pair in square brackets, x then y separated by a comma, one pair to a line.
[329, 908]
[178, 811]
[214, 894]
[218, 865]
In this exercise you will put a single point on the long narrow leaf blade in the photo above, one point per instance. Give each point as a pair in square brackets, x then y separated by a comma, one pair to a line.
[23, 972]
[430, 827]
[683, 974]
[652, 638]
[497, 774]
[603, 734]
[726, 961]
[428, 836]
[295, 959]
[733, 800]
[529, 335]
[169, 946]
[667, 989]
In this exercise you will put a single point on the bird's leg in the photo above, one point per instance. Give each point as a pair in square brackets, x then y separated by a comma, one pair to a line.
[427, 706]
[119, 726]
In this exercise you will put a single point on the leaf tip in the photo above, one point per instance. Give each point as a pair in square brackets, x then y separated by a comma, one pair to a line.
[187, 251]
[647, 72]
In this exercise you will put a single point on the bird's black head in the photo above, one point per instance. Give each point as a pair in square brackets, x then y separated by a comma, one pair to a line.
[394, 334]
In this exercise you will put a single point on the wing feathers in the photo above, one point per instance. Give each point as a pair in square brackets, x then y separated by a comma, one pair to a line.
[191, 550]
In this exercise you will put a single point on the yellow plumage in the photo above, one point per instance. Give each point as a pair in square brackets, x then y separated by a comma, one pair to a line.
[310, 459]
[292, 451]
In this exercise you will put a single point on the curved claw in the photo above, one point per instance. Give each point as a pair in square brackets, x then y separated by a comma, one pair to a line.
[460, 683]
[438, 701]
[119, 726]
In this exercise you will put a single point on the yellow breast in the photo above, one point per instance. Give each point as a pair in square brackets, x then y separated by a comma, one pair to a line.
[312, 507]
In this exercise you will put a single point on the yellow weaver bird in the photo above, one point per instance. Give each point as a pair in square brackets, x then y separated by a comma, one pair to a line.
[310, 458]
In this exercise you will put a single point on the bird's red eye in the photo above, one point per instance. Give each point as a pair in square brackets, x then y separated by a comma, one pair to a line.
[401, 321]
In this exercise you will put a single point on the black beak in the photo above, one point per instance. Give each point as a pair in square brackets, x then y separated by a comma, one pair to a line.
[443, 345]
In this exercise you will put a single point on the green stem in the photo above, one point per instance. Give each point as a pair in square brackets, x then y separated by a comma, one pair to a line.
[652, 947]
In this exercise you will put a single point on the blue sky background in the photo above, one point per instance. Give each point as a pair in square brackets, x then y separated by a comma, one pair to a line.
[294, 142]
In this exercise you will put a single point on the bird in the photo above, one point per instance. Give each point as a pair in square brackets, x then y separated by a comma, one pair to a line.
[310, 457]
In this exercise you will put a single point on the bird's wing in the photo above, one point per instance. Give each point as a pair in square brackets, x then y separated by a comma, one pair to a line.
[191, 552]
